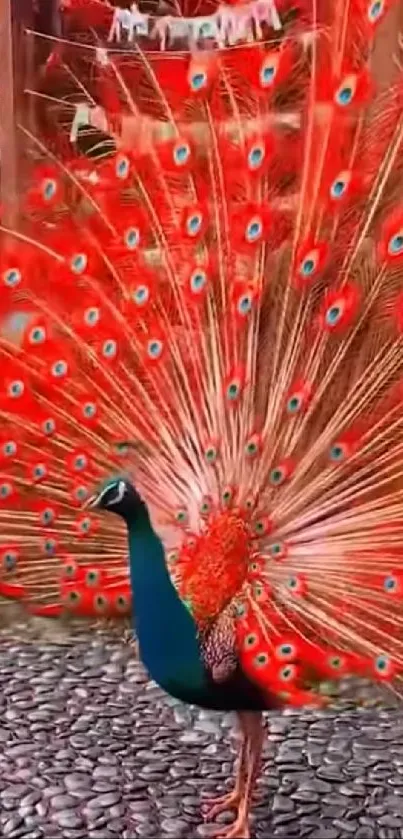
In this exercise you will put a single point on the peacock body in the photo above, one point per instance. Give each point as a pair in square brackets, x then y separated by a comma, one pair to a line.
[216, 314]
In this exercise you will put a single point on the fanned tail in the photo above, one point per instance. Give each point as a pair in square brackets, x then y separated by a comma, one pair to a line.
[219, 311]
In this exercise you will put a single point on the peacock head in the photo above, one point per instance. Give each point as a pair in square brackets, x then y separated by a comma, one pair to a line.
[119, 496]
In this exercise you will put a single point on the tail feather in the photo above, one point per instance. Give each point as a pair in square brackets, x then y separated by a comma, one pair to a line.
[218, 311]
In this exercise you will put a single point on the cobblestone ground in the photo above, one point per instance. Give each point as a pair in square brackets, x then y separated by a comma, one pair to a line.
[89, 747]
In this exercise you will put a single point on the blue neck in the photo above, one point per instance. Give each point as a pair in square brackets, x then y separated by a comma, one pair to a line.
[165, 629]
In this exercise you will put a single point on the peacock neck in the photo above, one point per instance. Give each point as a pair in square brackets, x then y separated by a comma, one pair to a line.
[165, 629]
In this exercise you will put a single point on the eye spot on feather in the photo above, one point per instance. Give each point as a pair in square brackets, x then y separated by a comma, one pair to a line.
[48, 426]
[78, 263]
[37, 335]
[122, 167]
[89, 410]
[92, 577]
[73, 598]
[49, 188]
[254, 230]
[9, 561]
[339, 185]
[337, 453]
[80, 462]
[333, 315]
[181, 516]
[47, 516]
[250, 641]
[391, 584]
[69, 569]
[395, 244]
[10, 448]
[101, 603]
[375, 11]
[285, 652]
[92, 316]
[154, 349]
[16, 389]
[12, 277]
[39, 471]
[198, 80]
[345, 93]
[141, 295]
[294, 404]
[241, 610]
[211, 454]
[109, 348]
[5, 490]
[59, 369]
[81, 494]
[277, 476]
[276, 550]
[383, 666]
[122, 603]
[205, 508]
[132, 238]
[49, 547]
[255, 157]
[252, 447]
[261, 660]
[181, 154]
[198, 281]
[287, 673]
[193, 224]
[335, 662]
[268, 73]
[227, 496]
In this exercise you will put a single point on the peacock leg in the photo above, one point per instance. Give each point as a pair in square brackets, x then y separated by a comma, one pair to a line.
[231, 800]
[239, 829]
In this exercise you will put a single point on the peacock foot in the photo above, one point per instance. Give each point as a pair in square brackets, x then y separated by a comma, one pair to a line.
[239, 829]
[229, 801]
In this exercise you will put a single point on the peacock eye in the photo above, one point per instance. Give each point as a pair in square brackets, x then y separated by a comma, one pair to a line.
[285, 651]
[49, 188]
[73, 597]
[241, 610]
[10, 448]
[194, 223]
[276, 476]
[89, 410]
[244, 304]
[181, 154]
[261, 660]
[81, 493]
[16, 389]
[227, 495]
[395, 244]
[268, 73]
[92, 316]
[122, 167]
[255, 157]
[101, 603]
[5, 490]
[49, 547]
[132, 238]
[251, 640]
[251, 449]
[293, 405]
[109, 348]
[78, 263]
[92, 578]
[37, 335]
[122, 603]
[181, 516]
[375, 10]
[59, 369]
[49, 426]
[337, 452]
[198, 81]
[205, 508]
[390, 584]
[47, 516]
[287, 673]
[69, 569]
[154, 349]
[233, 391]
[141, 295]
[39, 471]
[85, 525]
[10, 560]
[211, 454]
[198, 281]
[80, 462]
[12, 277]
[276, 549]
[254, 230]
[259, 527]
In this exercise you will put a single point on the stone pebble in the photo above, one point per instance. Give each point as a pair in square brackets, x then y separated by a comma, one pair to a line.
[90, 747]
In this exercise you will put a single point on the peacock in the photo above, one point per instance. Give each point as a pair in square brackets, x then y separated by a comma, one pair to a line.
[201, 332]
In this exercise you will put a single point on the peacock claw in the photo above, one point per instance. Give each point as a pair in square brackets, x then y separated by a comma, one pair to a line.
[239, 829]
[215, 806]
